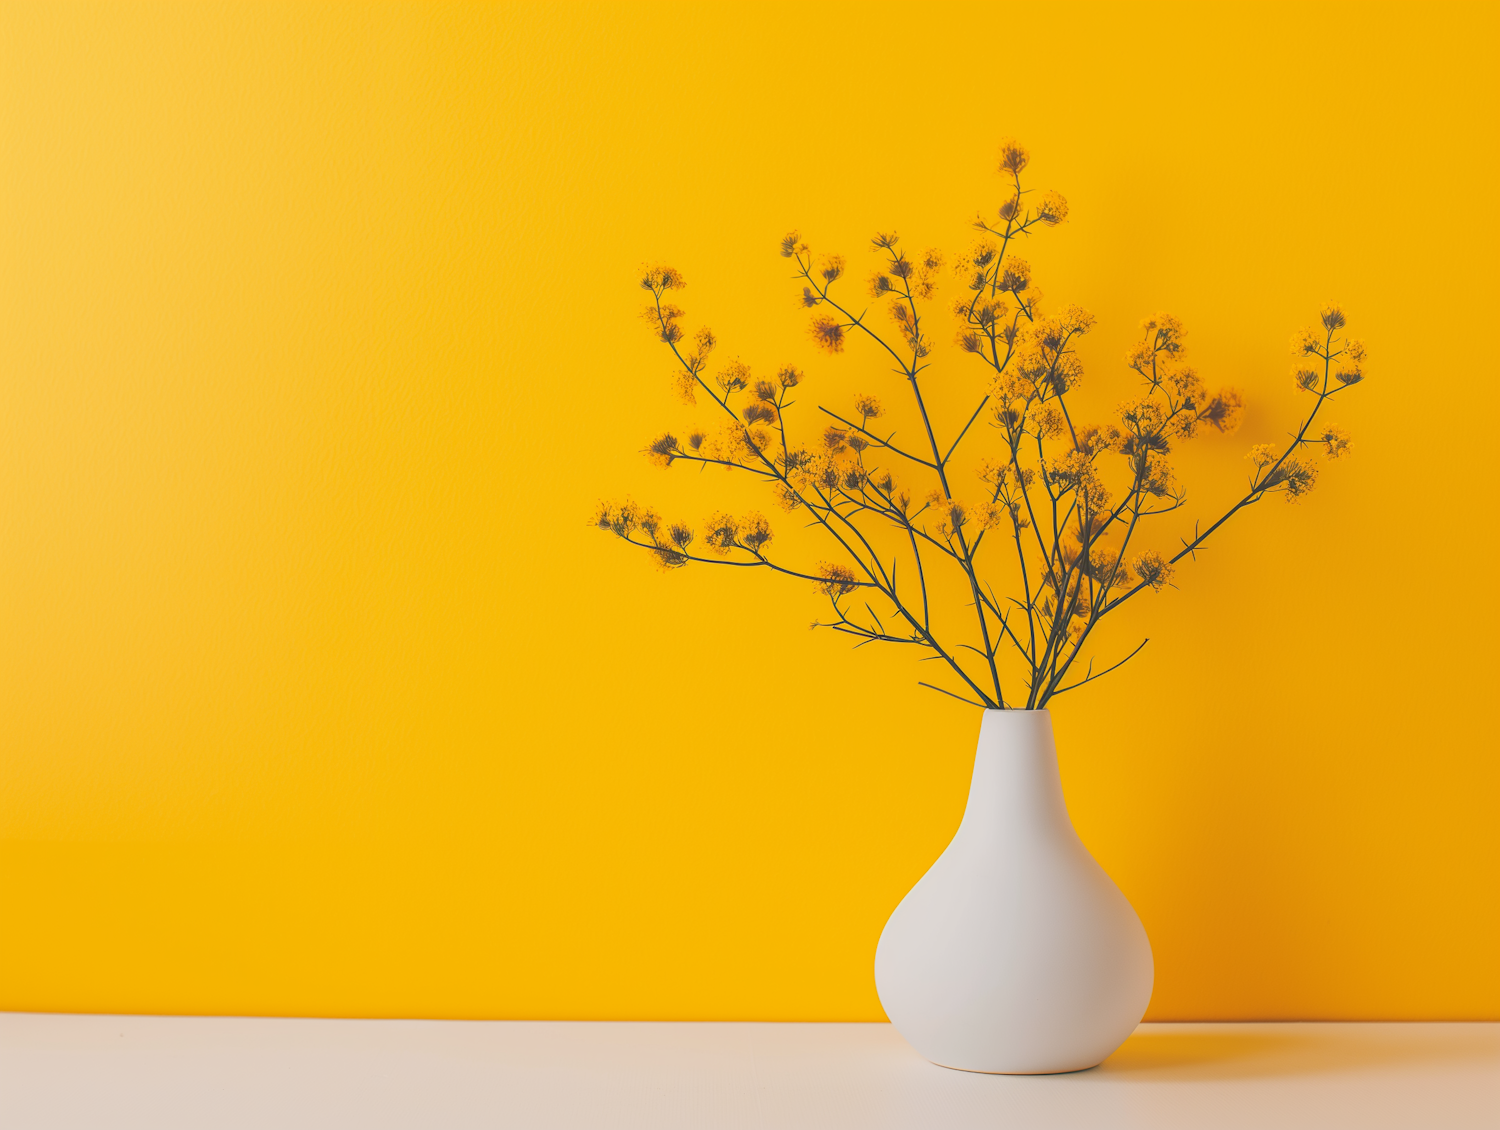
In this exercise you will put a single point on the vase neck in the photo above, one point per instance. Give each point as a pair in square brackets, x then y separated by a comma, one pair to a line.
[1015, 784]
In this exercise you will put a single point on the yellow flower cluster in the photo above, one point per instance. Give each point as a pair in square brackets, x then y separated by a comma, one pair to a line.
[952, 517]
[1053, 209]
[1335, 441]
[837, 580]
[1076, 472]
[1015, 276]
[723, 532]
[1013, 158]
[661, 451]
[1153, 569]
[733, 377]
[829, 334]
[659, 278]
[1294, 477]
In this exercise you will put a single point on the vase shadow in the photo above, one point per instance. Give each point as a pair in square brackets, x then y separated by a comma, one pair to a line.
[1206, 1055]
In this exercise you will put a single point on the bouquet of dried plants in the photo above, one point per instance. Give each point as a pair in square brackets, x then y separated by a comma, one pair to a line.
[1067, 502]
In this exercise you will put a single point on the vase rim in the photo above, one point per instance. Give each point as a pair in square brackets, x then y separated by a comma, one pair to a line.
[1014, 710]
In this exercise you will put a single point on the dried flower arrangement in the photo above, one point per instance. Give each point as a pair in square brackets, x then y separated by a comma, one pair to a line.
[1049, 488]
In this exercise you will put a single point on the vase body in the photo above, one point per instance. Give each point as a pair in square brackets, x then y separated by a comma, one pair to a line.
[1015, 953]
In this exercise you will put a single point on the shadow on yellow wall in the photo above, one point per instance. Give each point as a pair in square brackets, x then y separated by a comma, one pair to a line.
[318, 695]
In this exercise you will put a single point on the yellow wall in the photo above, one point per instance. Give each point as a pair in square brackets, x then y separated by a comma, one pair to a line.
[318, 343]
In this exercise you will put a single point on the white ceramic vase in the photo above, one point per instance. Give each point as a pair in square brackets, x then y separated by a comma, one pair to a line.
[1015, 953]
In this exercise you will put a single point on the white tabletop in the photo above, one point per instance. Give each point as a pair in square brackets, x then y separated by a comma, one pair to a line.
[162, 1073]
